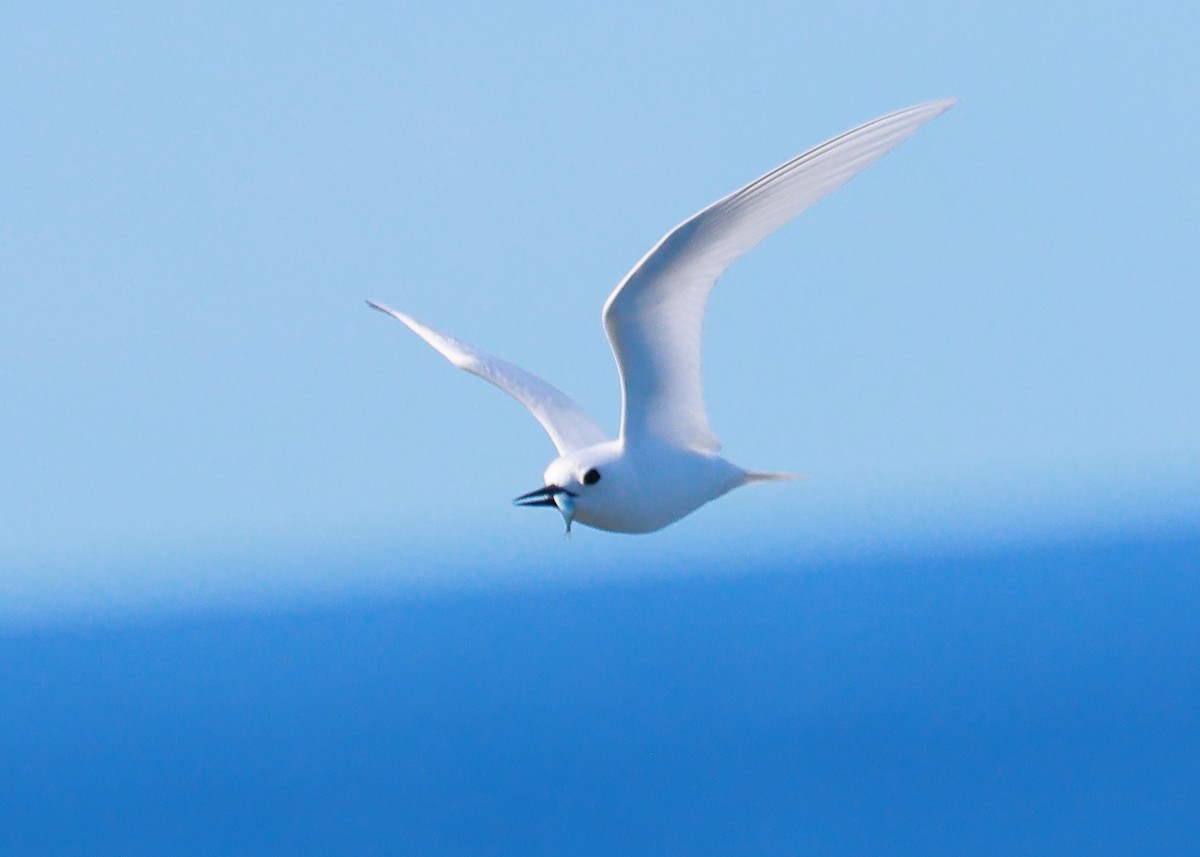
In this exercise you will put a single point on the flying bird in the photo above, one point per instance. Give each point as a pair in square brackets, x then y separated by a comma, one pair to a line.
[664, 464]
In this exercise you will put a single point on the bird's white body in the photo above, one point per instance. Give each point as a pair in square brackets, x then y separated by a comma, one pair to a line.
[664, 463]
[642, 489]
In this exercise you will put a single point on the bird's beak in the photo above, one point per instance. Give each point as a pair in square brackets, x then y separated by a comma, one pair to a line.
[551, 495]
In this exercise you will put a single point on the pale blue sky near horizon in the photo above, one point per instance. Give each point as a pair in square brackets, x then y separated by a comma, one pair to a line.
[992, 332]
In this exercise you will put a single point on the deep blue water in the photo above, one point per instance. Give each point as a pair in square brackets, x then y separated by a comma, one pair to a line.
[1027, 702]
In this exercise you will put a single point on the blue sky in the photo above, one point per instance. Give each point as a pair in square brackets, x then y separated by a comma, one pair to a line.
[988, 336]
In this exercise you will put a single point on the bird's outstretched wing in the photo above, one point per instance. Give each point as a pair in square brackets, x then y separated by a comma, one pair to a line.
[569, 426]
[654, 316]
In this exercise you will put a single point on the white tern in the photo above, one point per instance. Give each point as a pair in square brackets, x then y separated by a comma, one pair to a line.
[664, 464]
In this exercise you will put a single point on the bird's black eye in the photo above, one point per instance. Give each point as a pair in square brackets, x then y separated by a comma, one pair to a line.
[591, 477]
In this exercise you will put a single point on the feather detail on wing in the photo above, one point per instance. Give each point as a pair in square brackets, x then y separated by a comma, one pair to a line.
[569, 426]
[655, 315]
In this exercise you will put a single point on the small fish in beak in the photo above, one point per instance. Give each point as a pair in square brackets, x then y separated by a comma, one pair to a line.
[565, 501]
[551, 495]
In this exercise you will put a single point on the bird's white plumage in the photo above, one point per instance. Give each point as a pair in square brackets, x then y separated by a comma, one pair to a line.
[664, 463]
[654, 317]
[569, 426]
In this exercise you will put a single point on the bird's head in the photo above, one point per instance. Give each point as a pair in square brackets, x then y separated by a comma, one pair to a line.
[576, 483]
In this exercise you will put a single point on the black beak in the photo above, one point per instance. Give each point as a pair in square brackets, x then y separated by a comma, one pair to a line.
[542, 496]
